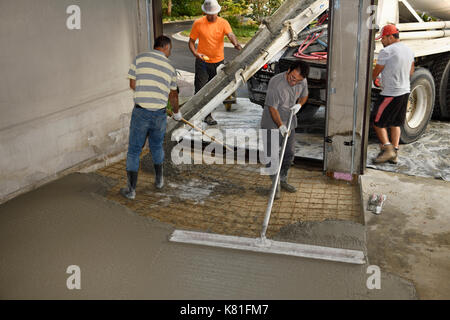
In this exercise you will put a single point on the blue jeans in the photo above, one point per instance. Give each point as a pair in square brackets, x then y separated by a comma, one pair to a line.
[146, 123]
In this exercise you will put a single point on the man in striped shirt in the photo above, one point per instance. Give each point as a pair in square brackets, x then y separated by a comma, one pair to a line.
[154, 82]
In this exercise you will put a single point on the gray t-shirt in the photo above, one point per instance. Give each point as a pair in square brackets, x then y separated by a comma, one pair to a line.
[281, 96]
[397, 60]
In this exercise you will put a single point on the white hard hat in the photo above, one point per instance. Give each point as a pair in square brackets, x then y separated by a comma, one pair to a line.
[211, 7]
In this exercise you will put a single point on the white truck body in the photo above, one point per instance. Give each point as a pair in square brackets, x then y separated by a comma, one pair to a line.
[423, 38]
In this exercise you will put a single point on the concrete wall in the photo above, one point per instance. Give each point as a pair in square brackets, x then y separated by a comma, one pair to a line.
[342, 67]
[64, 97]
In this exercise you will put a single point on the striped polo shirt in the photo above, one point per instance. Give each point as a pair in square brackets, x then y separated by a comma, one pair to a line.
[155, 77]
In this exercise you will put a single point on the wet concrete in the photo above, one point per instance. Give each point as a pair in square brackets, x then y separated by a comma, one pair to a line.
[232, 199]
[124, 256]
[411, 237]
[329, 233]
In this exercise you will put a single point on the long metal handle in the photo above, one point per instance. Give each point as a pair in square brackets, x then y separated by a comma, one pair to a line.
[274, 185]
[203, 132]
[170, 113]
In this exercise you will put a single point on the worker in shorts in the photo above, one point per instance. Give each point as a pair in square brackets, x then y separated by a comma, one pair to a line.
[286, 92]
[396, 65]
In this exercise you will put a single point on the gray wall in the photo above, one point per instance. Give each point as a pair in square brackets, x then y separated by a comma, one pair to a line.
[342, 64]
[64, 97]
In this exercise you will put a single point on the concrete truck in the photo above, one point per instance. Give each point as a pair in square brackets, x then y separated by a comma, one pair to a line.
[430, 41]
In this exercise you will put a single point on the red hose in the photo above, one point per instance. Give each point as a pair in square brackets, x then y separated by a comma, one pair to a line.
[307, 42]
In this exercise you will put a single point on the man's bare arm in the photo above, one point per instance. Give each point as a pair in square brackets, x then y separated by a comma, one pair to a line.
[173, 99]
[275, 116]
[133, 84]
[302, 100]
[376, 71]
[412, 69]
[234, 41]
[194, 50]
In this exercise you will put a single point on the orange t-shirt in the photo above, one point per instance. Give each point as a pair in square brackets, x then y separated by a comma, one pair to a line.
[210, 37]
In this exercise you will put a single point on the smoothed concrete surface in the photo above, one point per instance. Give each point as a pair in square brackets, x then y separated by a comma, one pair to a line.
[411, 236]
[125, 256]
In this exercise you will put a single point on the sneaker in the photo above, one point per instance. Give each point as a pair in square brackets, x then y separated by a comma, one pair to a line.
[286, 186]
[210, 121]
[372, 202]
[388, 154]
[395, 159]
[376, 202]
[379, 204]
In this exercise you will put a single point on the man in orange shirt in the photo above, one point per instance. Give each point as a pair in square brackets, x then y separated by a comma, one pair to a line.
[210, 31]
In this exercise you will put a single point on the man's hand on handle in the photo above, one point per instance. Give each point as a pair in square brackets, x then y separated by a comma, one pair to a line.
[177, 116]
[283, 130]
[296, 108]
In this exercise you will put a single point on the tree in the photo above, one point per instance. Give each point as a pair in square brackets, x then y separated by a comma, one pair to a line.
[169, 8]
[263, 8]
[234, 7]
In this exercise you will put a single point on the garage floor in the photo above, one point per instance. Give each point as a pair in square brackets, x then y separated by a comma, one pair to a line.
[411, 237]
[123, 255]
[231, 199]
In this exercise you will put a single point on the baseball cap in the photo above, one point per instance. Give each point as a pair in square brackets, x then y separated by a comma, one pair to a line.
[387, 31]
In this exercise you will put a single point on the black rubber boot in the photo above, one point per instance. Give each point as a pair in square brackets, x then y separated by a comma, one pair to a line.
[130, 191]
[283, 180]
[159, 179]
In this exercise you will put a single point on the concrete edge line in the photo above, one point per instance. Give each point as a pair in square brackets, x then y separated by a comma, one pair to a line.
[97, 161]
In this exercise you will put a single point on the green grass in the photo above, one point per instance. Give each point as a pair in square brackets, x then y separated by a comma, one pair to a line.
[179, 18]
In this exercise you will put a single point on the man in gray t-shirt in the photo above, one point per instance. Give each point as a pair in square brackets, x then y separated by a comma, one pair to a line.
[285, 90]
[396, 65]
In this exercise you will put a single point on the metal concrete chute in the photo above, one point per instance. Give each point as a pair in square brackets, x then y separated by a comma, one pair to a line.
[277, 32]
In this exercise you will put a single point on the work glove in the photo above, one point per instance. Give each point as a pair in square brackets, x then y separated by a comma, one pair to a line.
[283, 130]
[296, 108]
[177, 116]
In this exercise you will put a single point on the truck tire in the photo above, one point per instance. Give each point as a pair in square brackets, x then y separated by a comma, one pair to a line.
[441, 71]
[420, 105]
